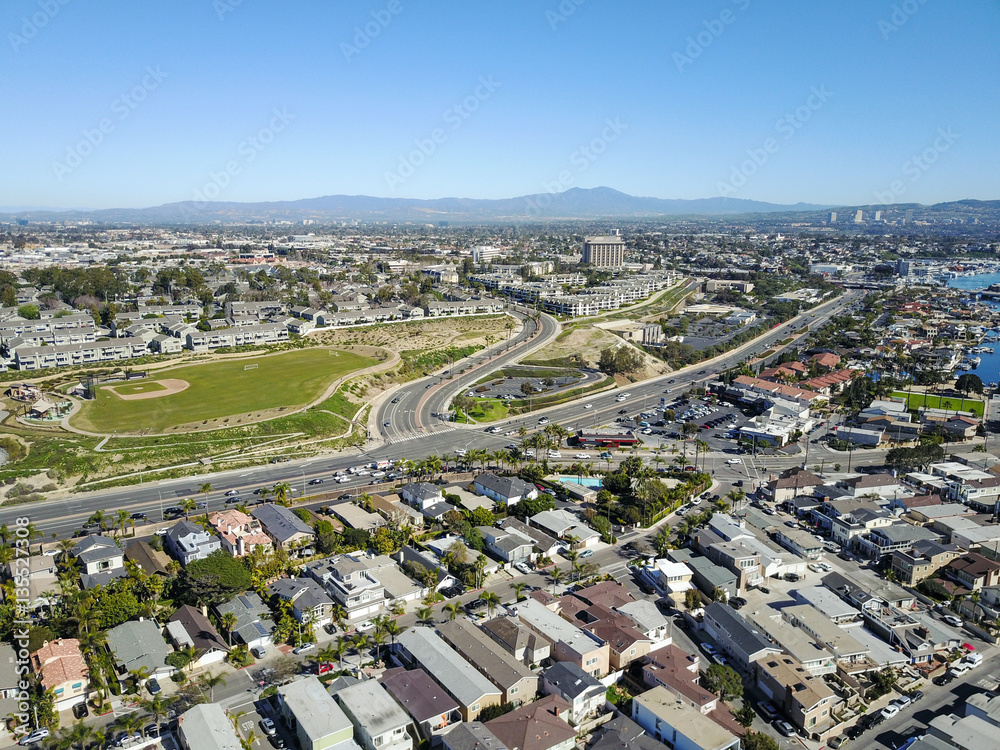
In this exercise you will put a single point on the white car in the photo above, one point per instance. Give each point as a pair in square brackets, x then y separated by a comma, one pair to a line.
[890, 711]
[364, 626]
[952, 620]
[621, 398]
[588, 406]
[732, 461]
[581, 456]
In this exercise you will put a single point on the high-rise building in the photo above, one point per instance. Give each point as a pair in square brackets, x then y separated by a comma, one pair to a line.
[831, 217]
[859, 216]
[485, 253]
[878, 216]
[604, 252]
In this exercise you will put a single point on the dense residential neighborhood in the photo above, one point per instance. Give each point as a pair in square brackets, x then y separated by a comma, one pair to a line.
[684, 493]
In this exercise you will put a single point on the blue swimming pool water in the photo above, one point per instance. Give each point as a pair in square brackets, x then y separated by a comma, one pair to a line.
[594, 482]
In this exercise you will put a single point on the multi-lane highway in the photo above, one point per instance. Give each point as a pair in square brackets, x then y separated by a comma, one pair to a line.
[413, 410]
[65, 516]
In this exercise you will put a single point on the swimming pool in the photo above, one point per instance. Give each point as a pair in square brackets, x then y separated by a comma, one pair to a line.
[594, 482]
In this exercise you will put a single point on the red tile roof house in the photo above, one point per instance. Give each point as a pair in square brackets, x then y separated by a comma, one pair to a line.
[826, 360]
[240, 533]
[63, 670]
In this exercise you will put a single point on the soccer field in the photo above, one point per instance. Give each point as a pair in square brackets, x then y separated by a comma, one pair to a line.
[222, 389]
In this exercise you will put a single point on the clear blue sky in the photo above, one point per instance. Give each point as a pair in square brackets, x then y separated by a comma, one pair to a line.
[889, 90]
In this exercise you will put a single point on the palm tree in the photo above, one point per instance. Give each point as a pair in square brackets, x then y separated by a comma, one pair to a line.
[391, 628]
[188, 505]
[453, 609]
[228, 622]
[282, 491]
[212, 681]
[518, 588]
[555, 577]
[328, 655]
[360, 643]
[480, 564]
[492, 600]
[156, 706]
[264, 492]
[340, 649]
[425, 615]
[123, 518]
[205, 488]
[65, 546]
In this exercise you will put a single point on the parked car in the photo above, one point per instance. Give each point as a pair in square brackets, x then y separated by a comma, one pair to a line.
[267, 725]
[837, 742]
[587, 553]
[258, 652]
[364, 626]
[150, 731]
[80, 710]
[153, 686]
[952, 620]
[785, 728]
[768, 711]
[891, 710]
[37, 736]
[304, 648]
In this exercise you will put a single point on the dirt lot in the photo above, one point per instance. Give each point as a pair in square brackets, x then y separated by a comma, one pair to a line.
[588, 342]
[429, 334]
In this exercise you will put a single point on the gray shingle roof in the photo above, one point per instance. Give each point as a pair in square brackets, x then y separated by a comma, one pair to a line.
[280, 522]
[446, 665]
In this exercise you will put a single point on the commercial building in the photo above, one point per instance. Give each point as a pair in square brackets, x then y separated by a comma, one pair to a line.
[604, 251]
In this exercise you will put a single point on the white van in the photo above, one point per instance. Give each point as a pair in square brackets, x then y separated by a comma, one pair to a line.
[974, 659]
[554, 454]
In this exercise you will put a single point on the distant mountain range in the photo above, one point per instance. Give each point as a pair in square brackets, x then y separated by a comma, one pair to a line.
[575, 203]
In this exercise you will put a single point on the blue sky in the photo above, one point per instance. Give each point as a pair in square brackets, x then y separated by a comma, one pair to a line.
[850, 102]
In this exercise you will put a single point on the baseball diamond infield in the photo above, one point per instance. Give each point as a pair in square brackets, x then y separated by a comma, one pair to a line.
[147, 389]
[198, 394]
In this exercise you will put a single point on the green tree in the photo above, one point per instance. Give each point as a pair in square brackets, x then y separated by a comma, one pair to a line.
[28, 312]
[723, 681]
[213, 579]
[745, 715]
[758, 741]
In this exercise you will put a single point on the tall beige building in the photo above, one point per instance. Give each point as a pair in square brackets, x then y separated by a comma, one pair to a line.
[604, 252]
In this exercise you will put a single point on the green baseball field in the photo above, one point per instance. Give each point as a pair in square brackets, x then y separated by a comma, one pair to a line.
[254, 387]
